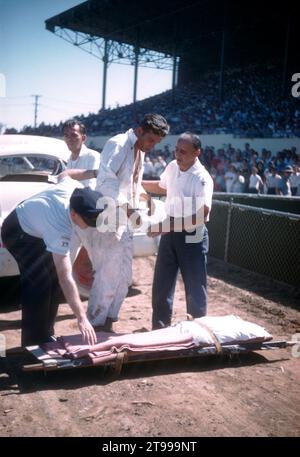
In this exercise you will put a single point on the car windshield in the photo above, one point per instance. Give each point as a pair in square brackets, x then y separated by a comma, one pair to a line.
[34, 164]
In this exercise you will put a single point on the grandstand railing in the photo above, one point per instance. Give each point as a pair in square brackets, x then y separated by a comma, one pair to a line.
[257, 239]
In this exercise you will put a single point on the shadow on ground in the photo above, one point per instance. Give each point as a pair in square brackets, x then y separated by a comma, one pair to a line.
[15, 381]
[283, 294]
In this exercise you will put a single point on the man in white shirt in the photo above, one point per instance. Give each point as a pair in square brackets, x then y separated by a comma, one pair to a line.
[255, 182]
[81, 157]
[230, 177]
[38, 235]
[272, 181]
[111, 250]
[188, 187]
[295, 180]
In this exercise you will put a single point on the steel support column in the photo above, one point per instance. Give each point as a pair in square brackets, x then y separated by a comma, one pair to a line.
[136, 65]
[221, 80]
[286, 53]
[105, 65]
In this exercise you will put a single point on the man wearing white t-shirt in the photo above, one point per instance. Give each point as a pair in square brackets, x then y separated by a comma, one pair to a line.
[81, 157]
[230, 178]
[38, 234]
[188, 187]
[255, 182]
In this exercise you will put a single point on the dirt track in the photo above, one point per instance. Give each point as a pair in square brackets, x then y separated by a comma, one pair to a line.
[253, 395]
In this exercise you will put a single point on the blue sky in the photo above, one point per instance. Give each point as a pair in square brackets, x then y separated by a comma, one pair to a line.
[35, 61]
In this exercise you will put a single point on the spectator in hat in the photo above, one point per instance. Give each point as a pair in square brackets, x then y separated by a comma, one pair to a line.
[272, 181]
[284, 185]
[38, 235]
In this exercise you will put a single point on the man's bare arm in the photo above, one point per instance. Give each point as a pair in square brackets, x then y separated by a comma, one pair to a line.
[77, 174]
[64, 272]
[171, 224]
[153, 187]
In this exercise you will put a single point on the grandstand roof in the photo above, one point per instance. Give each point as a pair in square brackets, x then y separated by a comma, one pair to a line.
[192, 28]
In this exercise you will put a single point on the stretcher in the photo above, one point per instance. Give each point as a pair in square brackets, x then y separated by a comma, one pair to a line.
[207, 336]
[44, 362]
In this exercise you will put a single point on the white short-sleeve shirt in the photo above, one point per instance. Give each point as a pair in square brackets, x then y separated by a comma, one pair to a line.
[88, 159]
[46, 215]
[187, 191]
[255, 181]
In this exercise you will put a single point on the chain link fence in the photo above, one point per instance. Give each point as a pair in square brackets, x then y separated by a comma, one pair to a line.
[258, 239]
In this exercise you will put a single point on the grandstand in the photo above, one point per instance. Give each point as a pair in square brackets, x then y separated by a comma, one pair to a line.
[231, 62]
[251, 108]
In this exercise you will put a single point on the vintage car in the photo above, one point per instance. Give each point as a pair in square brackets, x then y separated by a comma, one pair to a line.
[27, 164]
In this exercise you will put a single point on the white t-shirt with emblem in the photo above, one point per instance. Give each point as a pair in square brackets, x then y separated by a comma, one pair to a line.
[47, 216]
[187, 191]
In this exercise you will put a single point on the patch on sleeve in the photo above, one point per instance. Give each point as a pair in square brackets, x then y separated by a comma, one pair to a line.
[65, 241]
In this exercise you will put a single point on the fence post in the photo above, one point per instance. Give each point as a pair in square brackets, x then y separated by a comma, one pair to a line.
[228, 230]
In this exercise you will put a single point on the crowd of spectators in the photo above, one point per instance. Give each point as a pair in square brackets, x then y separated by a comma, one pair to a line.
[240, 170]
[251, 106]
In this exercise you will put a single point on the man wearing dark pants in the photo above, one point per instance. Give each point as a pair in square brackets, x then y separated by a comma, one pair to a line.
[38, 235]
[189, 188]
[41, 293]
[175, 253]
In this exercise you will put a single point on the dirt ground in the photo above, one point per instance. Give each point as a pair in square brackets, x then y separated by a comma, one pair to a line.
[256, 394]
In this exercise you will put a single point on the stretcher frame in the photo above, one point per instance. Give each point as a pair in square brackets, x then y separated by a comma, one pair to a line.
[47, 363]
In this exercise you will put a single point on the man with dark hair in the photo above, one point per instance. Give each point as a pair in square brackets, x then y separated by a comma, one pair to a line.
[184, 242]
[38, 235]
[81, 157]
[111, 248]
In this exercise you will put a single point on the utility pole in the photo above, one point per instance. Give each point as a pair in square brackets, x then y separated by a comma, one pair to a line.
[36, 105]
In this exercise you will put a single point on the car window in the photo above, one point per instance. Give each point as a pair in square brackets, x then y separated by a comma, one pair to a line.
[34, 164]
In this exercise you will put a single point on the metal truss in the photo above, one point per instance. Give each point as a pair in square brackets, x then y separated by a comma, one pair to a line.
[116, 52]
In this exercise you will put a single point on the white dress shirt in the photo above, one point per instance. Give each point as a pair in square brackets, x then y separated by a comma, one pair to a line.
[115, 176]
[187, 191]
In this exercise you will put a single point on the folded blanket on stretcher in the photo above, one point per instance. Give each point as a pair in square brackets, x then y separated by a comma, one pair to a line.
[200, 332]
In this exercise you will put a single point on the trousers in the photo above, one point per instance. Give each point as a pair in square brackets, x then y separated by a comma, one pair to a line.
[112, 272]
[40, 289]
[177, 253]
